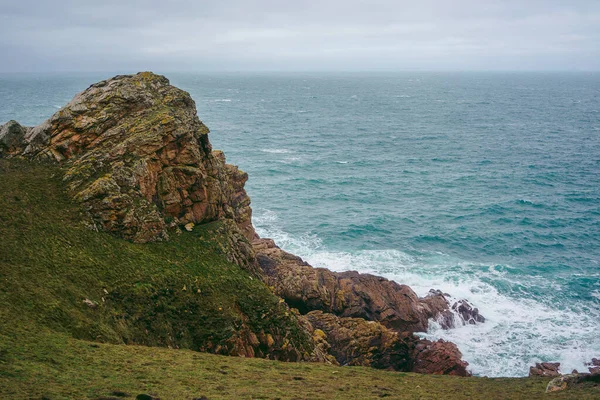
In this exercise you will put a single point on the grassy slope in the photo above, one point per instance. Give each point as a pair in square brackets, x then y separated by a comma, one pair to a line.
[181, 294]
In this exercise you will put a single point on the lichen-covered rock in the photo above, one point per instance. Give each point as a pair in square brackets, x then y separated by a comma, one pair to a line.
[357, 342]
[563, 382]
[347, 294]
[139, 159]
[12, 138]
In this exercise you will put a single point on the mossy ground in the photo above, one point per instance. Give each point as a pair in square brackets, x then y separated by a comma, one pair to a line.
[181, 293]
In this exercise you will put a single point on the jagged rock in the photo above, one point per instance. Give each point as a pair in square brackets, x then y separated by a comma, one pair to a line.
[12, 138]
[439, 358]
[355, 341]
[545, 369]
[139, 159]
[347, 294]
[467, 313]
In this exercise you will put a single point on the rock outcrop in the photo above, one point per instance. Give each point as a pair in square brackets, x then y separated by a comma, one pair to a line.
[139, 159]
[467, 313]
[349, 294]
[355, 341]
[568, 381]
[367, 320]
[439, 358]
[545, 369]
[12, 138]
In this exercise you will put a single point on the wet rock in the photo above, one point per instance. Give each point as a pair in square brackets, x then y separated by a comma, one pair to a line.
[439, 358]
[545, 369]
[346, 294]
[467, 313]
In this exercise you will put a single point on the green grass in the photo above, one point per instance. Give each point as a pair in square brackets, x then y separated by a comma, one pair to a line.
[181, 294]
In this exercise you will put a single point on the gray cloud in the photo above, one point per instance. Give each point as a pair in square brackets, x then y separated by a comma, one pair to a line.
[307, 35]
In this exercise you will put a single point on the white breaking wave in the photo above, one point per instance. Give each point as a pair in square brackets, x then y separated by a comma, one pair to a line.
[518, 332]
[276, 151]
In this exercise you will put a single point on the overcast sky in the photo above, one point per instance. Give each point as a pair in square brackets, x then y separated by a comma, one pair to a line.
[238, 35]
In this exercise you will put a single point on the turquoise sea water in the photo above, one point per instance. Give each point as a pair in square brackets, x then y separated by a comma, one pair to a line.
[484, 185]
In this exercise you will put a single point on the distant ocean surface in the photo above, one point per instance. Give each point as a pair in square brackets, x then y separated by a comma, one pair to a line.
[483, 185]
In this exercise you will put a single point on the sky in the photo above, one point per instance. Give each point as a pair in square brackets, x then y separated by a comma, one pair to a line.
[324, 35]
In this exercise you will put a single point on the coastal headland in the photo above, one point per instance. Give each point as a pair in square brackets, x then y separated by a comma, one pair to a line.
[128, 248]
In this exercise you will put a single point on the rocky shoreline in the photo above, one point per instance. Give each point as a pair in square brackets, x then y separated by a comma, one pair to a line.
[138, 160]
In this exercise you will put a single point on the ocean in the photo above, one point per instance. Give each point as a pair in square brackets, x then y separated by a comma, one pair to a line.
[483, 185]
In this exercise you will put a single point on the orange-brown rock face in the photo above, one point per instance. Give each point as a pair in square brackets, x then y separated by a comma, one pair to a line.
[139, 159]
[347, 294]
[438, 358]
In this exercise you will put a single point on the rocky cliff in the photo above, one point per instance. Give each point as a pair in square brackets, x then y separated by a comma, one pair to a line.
[138, 160]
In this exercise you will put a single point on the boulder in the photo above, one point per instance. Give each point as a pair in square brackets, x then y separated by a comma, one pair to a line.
[563, 382]
[12, 138]
[467, 313]
[439, 358]
[545, 369]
